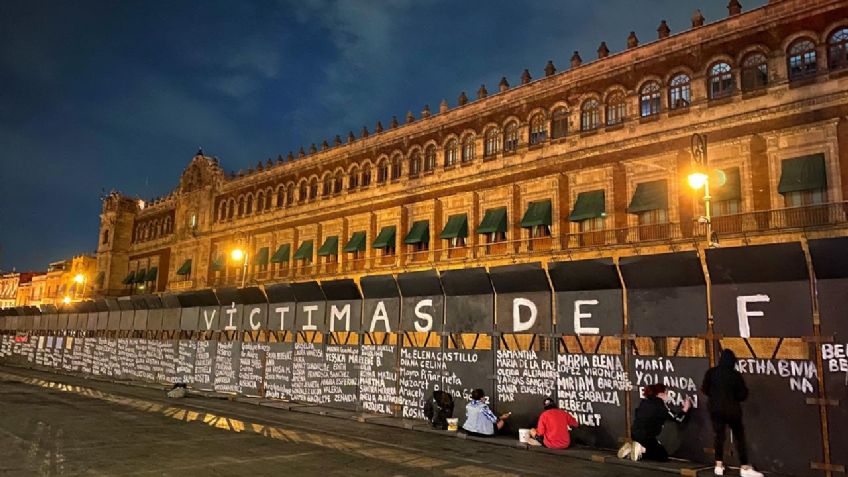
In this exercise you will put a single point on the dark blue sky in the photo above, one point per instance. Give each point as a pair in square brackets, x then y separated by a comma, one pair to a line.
[119, 94]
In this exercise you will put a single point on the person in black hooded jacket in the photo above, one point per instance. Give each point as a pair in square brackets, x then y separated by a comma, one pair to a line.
[725, 389]
[648, 422]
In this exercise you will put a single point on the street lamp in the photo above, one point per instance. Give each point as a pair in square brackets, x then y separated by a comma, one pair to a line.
[66, 300]
[80, 278]
[700, 178]
[240, 255]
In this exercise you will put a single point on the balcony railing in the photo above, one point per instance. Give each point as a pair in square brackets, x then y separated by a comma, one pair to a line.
[777, 219]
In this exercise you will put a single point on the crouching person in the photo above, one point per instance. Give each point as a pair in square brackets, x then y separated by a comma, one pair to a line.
[650, 417]
[439, 409]
[553, 427]
[480, 421]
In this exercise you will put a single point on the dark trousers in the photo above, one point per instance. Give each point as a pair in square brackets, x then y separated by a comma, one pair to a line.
[653, 449]
[720, 425]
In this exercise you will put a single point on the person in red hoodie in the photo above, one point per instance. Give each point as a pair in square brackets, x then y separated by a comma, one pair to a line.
[552, 429]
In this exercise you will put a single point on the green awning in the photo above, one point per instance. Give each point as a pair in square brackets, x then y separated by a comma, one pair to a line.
[261, 257]
[419, 233]
[356, 243]
[218, 264]
[152, 274]
[129, 279]
[330, 247]
[729, 186]
[282, 254]
[140, 274]
[185, 269]
[304, 252]
[493, 221]
[386, 237]
[649, 196]
[538, 213]
[802, 173]
[589, 205]
[457, 227]
[101, 277]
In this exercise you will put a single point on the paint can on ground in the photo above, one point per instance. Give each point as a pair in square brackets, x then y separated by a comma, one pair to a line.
[453, 424]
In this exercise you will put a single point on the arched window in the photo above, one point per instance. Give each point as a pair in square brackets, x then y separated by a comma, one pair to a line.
[249, 209]
[720, 81]
[260, 202]
[430, 158]
[754, 72]
[492, 142]
[559, 123]
[366, 176]
[313, 189]
[837, 49]
[590, 116]
[468, 148]
[105, 240]
[511, 137]
[649, 99]
[289, 195]
[450, 153]
[338, 182]
[415, 164]
[241, 208]
[327, 190]
[268, 197]
[382, 172]
[281, 197]
[538, 129]
[231, 209]
[801, 59]
[353, 178]
[679, 91]
[397, 165]
[616, 108]
[303, 193]
[222, 211]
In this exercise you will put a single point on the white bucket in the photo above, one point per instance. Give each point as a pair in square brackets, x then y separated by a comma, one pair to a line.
[523, 435]
[453, 423]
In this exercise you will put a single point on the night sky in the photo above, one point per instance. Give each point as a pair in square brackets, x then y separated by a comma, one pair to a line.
[96, 95]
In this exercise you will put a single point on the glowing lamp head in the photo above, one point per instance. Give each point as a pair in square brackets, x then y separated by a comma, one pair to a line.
[66, 300]
[237, 254]
[697, 180]
[79, 278]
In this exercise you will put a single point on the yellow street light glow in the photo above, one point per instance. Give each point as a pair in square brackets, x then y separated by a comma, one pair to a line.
[237, 254]
[79, 278]
[697, 180]
[66, 300]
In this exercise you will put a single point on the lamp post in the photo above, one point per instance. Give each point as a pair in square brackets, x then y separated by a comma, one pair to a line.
[80, 278]
[700, 178]
[239, 254]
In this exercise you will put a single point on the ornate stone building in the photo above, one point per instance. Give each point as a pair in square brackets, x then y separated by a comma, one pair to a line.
[587, 162]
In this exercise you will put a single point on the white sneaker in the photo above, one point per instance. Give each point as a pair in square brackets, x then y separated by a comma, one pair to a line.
[749, 472]
[638, 450]
[624, 451]
[719, 470]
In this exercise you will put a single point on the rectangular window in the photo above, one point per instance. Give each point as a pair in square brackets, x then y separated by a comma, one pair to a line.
[653, 217]
[804, 198]
[592, 225]
[726, 207]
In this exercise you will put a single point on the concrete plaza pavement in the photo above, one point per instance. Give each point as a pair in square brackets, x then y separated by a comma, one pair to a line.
[66, 425]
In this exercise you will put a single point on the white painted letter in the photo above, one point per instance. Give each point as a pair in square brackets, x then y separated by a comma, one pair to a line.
[517, 324]
[309, 309]
[744, 313]
[381, 314]
[209, 319]
[231, 311]
[254, 312]
[282, 310]
[428, 318]
[579, 316]
[335, 314]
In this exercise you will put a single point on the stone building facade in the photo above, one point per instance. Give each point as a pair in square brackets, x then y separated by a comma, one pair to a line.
[583, 163]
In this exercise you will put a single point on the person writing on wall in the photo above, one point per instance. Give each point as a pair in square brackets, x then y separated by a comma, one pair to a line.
[649, 419]
[480, 421]
[725, 390]
[552, 430]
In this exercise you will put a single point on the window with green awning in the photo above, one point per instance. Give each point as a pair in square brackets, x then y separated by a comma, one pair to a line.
[457, 227]
[129, 279]
[330, 246]
[589, 205]
[304, 252]
[356, 243]
[152, 274]
[386, 238]
[493, 221]
[538, 213]
[185, 268]
[649, 196]
[218, 264]
[802, 173]
[419, 233]
[729, 185]
[282, 254]
[261, 257]
[140, 274]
